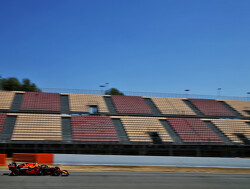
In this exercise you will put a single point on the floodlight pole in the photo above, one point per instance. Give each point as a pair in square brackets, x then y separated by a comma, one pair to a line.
[187, 90]
[106, 86]
[102, 86]
[248, 95]
[218, 92]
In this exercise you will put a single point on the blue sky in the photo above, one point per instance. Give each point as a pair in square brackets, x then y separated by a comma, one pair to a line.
[135, 45]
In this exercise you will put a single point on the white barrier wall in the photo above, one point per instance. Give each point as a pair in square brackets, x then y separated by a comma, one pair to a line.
[75, 159]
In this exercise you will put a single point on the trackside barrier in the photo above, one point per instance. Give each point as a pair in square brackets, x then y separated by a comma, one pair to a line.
[168, 161]
[39, 158]
[3, 159]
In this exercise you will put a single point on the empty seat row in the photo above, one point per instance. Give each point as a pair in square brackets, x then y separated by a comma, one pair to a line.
[82, 102]
[130, 105]
[230, 128]
[243, 107]
[210, 107]
[37, 126]
[6, 99]
[172, 106]
[193, 130]
[138, 128]
[84, 128]
[39, 101]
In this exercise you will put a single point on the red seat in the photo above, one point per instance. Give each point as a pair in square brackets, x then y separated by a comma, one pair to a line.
[130, 104]
[193, 130]
[41, 101]
[211, 107]
[93, 128]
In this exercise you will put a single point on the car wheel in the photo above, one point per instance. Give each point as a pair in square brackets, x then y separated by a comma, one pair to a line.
[14, 173]
[56, 172]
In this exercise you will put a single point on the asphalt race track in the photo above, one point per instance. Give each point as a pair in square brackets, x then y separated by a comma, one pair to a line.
[128, 180]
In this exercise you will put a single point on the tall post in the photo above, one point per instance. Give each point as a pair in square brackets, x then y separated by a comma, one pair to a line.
[187, 90]
[248, 96]
[218, 92]
[102, 86]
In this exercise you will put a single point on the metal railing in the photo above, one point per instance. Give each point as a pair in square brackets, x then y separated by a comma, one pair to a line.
[146, 94]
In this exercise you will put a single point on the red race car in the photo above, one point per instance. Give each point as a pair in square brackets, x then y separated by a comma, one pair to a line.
[35, 169]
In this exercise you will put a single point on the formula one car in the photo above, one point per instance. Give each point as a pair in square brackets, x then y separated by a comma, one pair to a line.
[35, 169]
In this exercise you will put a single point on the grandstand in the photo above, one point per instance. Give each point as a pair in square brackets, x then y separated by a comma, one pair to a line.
[111, 124]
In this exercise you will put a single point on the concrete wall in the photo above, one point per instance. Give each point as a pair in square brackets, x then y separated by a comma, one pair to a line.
[75, 159]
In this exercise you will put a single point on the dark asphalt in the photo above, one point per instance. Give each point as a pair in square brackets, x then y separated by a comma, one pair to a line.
[128, 180]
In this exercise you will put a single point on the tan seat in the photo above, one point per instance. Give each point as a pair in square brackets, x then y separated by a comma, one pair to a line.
[137, 128]
[231, 126]
[37, 127]
[6, 98]
[81, 102]
[240, 106]
[173, 106]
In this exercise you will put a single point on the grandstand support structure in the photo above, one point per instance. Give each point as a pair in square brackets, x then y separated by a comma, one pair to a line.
[153, 107]
[8, 128]
[16, 104]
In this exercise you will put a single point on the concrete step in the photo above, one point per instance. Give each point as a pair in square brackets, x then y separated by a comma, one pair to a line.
[171, 132]
[243, 138]
[64, 104]
[8, 127]
[66, 129]
[110, 105]
[120, 131]
[152, 106]
[231, 109]
[190, 105]
[16, 104]
[218, 132]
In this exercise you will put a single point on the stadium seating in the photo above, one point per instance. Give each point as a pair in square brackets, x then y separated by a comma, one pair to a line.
[6, 98]
[41, 101]
[211, 107]
[174, 106]
[93, 128]
[229, 127]
[193, 130]
[130, 105]
[41, 118]
[37, 127]
[242, 107]
[137, 128]
[81, 102]
[2, 121]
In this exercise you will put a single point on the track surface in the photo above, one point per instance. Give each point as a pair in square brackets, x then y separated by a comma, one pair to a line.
[129, 180]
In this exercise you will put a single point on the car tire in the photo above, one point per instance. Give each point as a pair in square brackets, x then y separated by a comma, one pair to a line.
[56, 172]
[14, 173]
